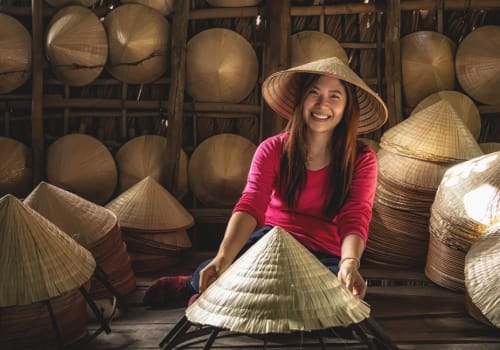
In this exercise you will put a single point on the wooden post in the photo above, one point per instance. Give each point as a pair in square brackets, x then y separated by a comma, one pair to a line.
[276, 55]
[176, 92]
[37, 138]
[393, 62]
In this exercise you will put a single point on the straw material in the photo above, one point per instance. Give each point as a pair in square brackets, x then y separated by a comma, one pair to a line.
[280, 89]
[221, 66]
[310, 45]
[165, 7]
[37, 260]
[149, 206]
[157, 243]
[428, 66]
[83, 220]
[218, 169]
[233, 3]
[82, 164]
[15, 167]
[462, 104]
[145, 156]
[490, 147]
[61, 3]
[277, 286]
[15, 54]
[435, 133]
[482, 274]
[138, 39]
[76, 45]
[478, 64]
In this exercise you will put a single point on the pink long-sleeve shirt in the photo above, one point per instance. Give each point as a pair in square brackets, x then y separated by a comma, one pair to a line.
[307, 222]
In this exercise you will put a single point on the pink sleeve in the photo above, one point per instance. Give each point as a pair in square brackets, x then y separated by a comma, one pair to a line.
[262, 178]
[355, 215]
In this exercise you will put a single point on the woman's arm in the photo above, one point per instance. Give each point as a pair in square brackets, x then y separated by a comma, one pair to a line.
[351, 252]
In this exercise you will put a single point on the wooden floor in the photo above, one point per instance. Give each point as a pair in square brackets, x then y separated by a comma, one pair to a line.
[419, 316]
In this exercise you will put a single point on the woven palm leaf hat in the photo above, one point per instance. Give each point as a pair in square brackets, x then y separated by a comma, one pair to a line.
[83, 165]
[61, 3]
[233, 3]
[477, 64]
[490, 147]
[277, 286]
[15, 54]
[482, 274]
[464, 107]
[221, 66]
[145, 156]
[311, 45]
[139, 43]
[15, 167]
[38, 261]
[76, 45]
[165, 7]
[427, 63]
[280, 89]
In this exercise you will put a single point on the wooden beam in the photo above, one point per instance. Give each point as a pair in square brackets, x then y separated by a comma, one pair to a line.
[407, 5]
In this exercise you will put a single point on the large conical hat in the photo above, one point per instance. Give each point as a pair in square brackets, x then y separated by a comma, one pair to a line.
[15, 167]
[482, 274]
[477, 64]
[218, 169]
[428, 66]
[83, 220]
[138, 39]
[37, 260]
[435, 133]
[233, 3]
[76, 45]
[60, 3]
[165, 7]
[15, 54]
[150, 207]
[82, 164]
[461, 103]
[277, 286]
[221, 66]
[311, 45]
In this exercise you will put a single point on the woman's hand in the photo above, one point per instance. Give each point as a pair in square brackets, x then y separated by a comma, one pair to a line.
[351, 278]
[212, 271]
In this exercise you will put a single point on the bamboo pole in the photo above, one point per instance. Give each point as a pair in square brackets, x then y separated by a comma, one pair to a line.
[407, 5]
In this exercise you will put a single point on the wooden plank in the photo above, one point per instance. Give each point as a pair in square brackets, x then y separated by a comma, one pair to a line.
[407, 5]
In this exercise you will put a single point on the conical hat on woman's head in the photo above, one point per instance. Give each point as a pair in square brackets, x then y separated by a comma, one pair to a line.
[277, 286]
[15, 167]
[477, 64]
[15, 54]
[280, 90]
[221, 66]
[165, 7]
[38, 261]
[76, 45]
[428, 66]
[310, 45]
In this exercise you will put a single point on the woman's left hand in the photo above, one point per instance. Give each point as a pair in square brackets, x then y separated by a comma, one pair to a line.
[351, 278]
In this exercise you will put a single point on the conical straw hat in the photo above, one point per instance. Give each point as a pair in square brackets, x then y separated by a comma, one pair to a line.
[60, 3]
[165, 7]
[145, 156]
[37, 260]
[310, 45]
[435, 133]
[218, 169]
[277, 286]
[482, 273]
[221, 66]
[83, 220]
[15, 167]
[76, 45]
[148, 206]
[280, 89]
[138, 39]
[477, 64]
[83, 165]
[461, 103]
[233, 3]
[427, 63]
[15, 54]
[490, 147]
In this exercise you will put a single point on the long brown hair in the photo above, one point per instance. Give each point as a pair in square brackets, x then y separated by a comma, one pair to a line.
[342, 152]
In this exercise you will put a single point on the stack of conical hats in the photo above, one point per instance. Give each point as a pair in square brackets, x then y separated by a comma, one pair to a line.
[153, 224]
[277, 286]
[38, 263]
[15, 167]
[413, 157]
[94, 227]
[467, 203]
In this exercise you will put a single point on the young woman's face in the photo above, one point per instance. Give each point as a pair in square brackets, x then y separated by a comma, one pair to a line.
[324, 104]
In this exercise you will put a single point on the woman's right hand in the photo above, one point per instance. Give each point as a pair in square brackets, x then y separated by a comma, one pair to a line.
[212, 271]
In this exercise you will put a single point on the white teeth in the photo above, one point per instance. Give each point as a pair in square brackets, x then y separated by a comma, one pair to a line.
[320, 116]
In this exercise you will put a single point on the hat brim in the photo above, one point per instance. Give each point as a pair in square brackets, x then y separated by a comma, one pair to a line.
[279, 91]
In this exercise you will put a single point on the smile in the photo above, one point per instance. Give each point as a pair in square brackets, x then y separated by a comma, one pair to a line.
[320, 116]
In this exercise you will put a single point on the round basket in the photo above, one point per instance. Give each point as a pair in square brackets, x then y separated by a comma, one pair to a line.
[15, 168]
[310, 45]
